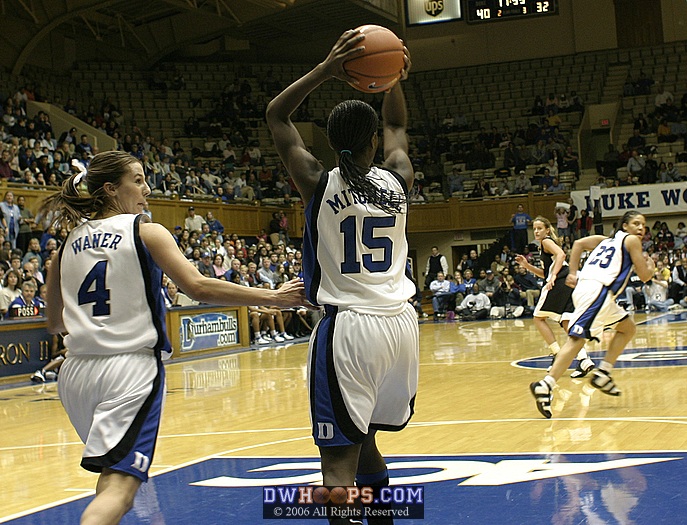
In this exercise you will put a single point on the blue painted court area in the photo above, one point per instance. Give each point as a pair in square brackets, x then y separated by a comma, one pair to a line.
[526, 489]
[632, 358]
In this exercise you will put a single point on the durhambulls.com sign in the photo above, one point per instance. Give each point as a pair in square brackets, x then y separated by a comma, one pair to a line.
[208, 330]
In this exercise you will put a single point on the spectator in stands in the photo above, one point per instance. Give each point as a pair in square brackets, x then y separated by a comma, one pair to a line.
[9, 218]
[636, 141]
[441, 290]
[455, 181]
[27, 298]
[511, 158]
[636, 164]
[253, 183]
[642, 125]
[556, 186]
[490, 284]
[527, 284]
[522, 184]
[214, 224]
[551, 104]
[282, 186]
[193, 184]
[436, 263]
[6, 172]
[205, 266]
[521, 222]
[84, 147]
[538, 153]
[664, 132]
[643, 84]
[474, 306]
[538, 106]
[656, 292]
[193, 222]
[661, 99]
[674, 173]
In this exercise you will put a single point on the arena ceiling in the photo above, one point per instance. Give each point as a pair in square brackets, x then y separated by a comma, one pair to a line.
[268, 30]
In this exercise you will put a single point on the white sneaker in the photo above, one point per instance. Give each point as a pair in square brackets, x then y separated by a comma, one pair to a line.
[278, 338]
[262, 341]
[286, 336]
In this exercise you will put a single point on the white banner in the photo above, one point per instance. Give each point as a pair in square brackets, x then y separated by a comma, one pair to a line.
[649, 199]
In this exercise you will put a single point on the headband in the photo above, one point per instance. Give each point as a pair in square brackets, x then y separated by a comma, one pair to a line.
[82, 173]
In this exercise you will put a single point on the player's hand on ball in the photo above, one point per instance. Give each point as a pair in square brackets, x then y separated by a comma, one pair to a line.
[348, 46]
[291, 293]
[408, 64]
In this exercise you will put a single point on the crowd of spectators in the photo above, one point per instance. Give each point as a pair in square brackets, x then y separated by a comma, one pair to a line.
[540, 144]
[267, 260]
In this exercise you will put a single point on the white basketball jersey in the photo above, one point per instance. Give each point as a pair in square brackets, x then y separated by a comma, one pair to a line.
[111, 289]
[609, 263]
[354, 254]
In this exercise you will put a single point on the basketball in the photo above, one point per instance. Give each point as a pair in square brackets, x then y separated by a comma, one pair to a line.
[338, 495]
[320, 495]
[379, 67]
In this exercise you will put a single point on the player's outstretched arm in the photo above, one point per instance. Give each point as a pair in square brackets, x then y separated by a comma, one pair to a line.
[166, 254]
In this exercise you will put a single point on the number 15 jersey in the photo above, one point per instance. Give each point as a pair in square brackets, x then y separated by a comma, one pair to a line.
[354, 254]
[111, 289]
[609, 263]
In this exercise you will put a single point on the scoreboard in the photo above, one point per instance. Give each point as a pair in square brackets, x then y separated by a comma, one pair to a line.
[492, 10]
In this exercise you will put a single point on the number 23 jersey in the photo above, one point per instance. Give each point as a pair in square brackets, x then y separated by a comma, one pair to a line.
[354, 254]
[609, 263]
[111, 289]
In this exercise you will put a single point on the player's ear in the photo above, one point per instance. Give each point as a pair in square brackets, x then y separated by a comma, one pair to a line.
[109, 189]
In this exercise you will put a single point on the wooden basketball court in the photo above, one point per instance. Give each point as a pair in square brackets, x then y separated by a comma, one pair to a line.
[473, 403]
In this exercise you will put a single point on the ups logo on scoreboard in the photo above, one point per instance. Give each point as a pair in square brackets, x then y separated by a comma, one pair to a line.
[434, 7]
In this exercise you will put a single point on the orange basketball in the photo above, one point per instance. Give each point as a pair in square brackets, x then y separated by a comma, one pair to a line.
[379, 67]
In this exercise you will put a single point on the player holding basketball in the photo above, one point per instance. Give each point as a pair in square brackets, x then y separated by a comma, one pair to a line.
[555, 301]
[104, 289]
[603, 277]
[363, 364]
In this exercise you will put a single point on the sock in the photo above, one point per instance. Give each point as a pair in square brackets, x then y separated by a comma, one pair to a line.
[554, 348]
[582, 354]
[606, 366]
[549, 380]
[377, 480]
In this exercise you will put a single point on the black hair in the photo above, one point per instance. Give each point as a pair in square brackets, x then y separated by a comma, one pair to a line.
[350, 128]
[628, 216]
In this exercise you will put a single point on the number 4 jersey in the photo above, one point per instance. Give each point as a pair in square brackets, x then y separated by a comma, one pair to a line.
[609, 263]
[111, 289]
[354, 254]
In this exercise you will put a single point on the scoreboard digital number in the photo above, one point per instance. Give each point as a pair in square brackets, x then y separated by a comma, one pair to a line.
[491, 10]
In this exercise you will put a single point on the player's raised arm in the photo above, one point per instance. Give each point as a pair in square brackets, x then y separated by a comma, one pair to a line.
[303, 167]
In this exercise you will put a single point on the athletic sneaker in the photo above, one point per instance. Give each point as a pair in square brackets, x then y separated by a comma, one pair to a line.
[38, 377]
[50, 376]
[543, 396]
[604, 382]
[262, 341]
[286, 336]
[584, 366]
[278, 338]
